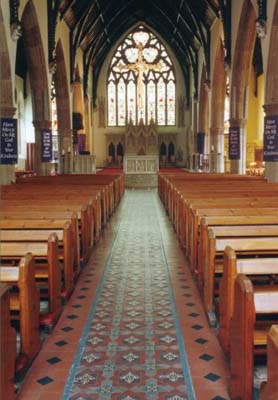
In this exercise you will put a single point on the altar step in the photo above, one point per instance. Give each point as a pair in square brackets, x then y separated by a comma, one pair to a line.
[136, 181]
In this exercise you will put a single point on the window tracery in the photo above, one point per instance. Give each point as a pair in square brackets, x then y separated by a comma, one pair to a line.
[141, 82]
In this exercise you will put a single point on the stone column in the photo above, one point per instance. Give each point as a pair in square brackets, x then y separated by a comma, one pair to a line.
[7, 172]
[239, 166]
[39, 167]
[271, 168]
[65, 152]
[217, 149]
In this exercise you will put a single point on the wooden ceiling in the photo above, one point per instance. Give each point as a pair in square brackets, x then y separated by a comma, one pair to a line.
[184, 25]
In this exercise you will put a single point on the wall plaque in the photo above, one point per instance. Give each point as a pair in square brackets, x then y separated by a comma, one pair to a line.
[8, 145]
[46, 146]
[234, 143]
[271, 138]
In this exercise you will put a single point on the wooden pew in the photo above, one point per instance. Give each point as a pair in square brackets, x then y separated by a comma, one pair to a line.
[195, 214]
[65, 244]
[47, 271]
[256, 267]
[110, 187]
[249, 332]
[241, 245]
[25, 307]
[115, 182]
[49, 225]
[7, 346]
[60, 202]
[252, 228]
[269, 389]
[227, 222]
[55, 215]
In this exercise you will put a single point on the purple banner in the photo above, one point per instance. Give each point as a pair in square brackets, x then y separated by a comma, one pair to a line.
[8, 142]
[271, 138]
[234, 143]
[46, 146]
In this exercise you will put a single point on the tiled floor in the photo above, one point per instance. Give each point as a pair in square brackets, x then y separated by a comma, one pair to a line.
[122, 335]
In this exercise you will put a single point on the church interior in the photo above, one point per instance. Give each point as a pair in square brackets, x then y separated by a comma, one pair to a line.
[138, 213]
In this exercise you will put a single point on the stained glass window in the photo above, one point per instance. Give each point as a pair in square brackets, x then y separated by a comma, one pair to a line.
[141, 81]
[54, 123]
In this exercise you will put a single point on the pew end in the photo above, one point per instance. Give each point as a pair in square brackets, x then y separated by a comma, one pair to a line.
[249, 332]
[24, 309]
[269, 389]
[7, 346]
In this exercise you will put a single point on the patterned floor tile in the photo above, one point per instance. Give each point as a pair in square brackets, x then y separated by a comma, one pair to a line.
[139, 310]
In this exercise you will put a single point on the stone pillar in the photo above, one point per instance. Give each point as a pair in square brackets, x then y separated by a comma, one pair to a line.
[87, 121]
[65, 152]
[39, 167]
[7, 172]
[217, 149]
[271, 168]
[239, 166]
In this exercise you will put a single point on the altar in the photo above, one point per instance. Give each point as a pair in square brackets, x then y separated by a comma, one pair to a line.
[141, 164]
[142, 148]
[141, 160]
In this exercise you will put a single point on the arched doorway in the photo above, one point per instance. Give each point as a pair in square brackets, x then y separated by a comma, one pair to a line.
[120, 154]
[111, 153]
[38, 78]
[171, 152]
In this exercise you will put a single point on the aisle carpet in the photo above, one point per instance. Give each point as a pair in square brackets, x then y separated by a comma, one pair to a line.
[132, 347]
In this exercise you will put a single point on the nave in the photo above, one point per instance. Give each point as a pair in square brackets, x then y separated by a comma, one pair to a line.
[134, 327]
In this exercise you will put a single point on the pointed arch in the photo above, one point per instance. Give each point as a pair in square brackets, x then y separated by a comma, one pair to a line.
[141, 80]
[218, 93]
[271, 88]
[218, 90]
[242, 60]
[204, 105]
[6, 88]
[36, 64]
[271, 96]
[243, 54]
[62, 93]
[7, 109]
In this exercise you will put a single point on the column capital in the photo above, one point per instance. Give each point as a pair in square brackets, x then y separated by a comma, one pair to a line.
[271, 109]
[42, 124]
[7, 111]
[240, 122]
[217, 130]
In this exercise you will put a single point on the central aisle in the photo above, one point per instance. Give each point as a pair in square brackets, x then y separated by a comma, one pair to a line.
[132, 343]
[134, 311]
